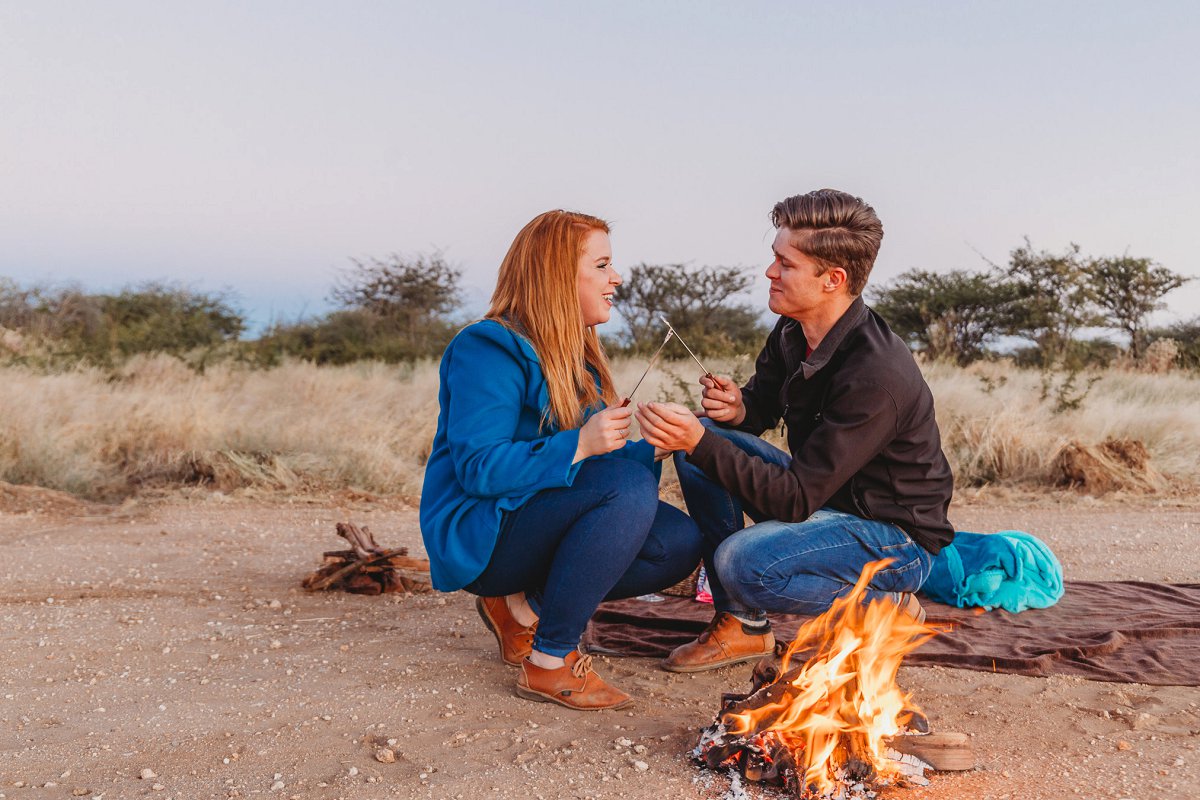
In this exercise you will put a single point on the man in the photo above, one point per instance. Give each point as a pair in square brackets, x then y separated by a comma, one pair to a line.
[865, 477]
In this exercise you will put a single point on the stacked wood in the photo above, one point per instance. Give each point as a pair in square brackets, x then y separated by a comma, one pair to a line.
[368, 568]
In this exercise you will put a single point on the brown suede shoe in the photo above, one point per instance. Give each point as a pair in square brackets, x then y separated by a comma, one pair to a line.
[516, 641]
[725, 641]
[574, 685]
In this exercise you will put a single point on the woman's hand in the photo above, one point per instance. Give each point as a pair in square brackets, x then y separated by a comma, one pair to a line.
[722, 400]
[604, 432]
[669, 426]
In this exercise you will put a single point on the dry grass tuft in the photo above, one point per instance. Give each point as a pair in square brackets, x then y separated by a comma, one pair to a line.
[157, 424]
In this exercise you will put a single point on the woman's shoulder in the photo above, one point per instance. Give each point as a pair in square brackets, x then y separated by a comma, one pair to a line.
[490, 335]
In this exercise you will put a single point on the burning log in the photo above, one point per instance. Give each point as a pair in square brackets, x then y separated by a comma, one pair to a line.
[368, 568]
[837, 724]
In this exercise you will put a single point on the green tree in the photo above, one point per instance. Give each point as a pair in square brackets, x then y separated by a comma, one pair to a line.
[701, 304]
[1057, 299]
[159, 317]
[393, 309]
[949, 315]
[1128, 290]
[67, 324]
[413, 292]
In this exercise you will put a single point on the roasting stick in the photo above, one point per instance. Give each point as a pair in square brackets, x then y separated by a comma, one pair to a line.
[653, 361]
[707, 374]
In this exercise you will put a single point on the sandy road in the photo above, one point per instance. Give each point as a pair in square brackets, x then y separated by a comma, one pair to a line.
[174, 638]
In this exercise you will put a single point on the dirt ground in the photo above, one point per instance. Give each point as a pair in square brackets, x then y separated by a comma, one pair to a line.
[171, 640]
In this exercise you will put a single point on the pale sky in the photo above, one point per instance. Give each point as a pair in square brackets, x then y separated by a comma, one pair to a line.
[260, 145]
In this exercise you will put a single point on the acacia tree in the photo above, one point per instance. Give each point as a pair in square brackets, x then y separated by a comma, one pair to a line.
[1128, 290]
[950, 315]
[413, 295]
[1057, 298]
[699, 302]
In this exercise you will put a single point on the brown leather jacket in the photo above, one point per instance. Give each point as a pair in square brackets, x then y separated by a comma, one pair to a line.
[860, 428]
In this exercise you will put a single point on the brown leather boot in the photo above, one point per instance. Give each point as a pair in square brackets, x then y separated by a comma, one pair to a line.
[911, 606]
[574, 685]
[725, 641]
[516, 640]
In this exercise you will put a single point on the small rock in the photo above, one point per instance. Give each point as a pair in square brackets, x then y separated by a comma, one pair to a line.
[352, 771]
[639, 749]
[274, 604]
[158, 787]
[276, 644]
[641, 766]
[385, 756]
[277, 786]
[623, 742]
[1123, 745]
[148, 774]
[80, 792]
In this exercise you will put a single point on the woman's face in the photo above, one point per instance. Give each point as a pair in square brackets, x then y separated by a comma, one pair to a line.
[597, 279]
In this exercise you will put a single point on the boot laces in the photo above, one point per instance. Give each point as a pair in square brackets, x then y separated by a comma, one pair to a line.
[582, 666]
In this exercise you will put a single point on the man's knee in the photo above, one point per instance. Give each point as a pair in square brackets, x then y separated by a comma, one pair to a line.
[738, 565]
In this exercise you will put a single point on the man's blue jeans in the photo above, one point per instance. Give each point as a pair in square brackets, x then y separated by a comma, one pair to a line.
[605, 537]
[790, 567]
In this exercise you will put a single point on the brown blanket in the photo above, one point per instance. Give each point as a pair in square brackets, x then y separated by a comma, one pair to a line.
[1127, 631]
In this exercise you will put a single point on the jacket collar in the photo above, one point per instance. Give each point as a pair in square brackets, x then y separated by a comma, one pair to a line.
[523, 344]
[832, 341]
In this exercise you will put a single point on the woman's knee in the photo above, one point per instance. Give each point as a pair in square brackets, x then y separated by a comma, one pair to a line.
[674, 537]
[625, 487]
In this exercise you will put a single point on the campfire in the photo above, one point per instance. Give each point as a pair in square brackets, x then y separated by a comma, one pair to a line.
[834, 724]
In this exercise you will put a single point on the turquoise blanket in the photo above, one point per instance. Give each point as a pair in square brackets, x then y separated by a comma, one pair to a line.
[1010, 569]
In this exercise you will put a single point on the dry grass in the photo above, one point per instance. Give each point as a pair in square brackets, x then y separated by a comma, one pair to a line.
[369, 426]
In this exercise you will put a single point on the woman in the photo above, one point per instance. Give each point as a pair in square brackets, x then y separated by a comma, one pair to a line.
[534, 499]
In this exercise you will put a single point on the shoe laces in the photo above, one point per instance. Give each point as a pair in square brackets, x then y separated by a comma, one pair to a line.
[707, 633]
[582, 666]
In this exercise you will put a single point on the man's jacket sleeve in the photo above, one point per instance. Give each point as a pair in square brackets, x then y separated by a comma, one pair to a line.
[487, 387]
[858, 423]
[761, 394]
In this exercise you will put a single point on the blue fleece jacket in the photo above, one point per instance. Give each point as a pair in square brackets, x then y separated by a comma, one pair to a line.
[489, 454]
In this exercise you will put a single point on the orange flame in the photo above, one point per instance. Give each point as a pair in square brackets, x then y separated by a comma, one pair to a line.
[844, 701]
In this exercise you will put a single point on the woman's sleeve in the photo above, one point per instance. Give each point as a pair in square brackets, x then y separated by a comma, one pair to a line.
[487, 386]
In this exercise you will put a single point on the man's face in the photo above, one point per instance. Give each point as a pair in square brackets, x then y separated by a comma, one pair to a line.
[798, 283]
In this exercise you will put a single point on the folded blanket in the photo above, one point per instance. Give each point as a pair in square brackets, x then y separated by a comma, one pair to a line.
[1011, 570]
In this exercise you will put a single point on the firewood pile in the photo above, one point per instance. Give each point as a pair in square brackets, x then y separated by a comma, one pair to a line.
[367, 568]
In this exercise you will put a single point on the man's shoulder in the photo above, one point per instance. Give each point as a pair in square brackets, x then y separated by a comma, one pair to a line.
[877, 355]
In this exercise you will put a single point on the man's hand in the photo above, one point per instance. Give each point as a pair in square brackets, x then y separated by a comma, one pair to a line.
[722, 400]
[669, 426]
[604, 432]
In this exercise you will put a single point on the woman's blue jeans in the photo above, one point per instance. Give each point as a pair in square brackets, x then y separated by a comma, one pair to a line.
[790, 567]
[605, 537]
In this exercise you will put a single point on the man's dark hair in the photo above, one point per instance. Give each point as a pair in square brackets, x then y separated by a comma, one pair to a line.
[837, 230]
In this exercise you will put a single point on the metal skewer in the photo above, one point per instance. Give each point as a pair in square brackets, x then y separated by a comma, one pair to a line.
[685, 347]
[653, 361]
